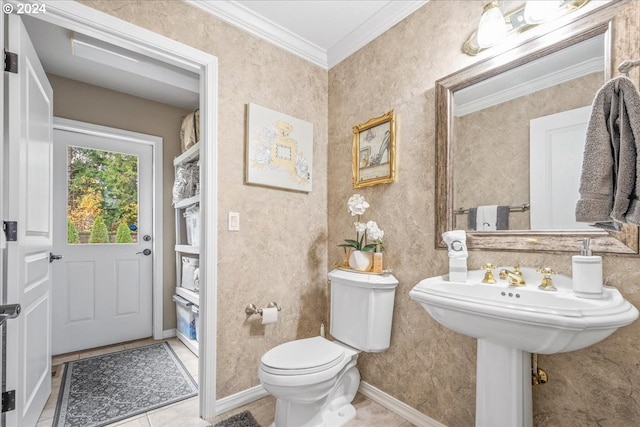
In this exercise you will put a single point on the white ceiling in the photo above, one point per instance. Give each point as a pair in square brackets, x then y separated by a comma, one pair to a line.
[323, 32]
[111, 67]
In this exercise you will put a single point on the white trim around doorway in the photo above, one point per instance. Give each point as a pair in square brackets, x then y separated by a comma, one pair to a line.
[93, 23]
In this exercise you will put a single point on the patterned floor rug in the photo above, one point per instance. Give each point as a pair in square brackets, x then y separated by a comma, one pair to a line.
[243, 419]
[104, 389]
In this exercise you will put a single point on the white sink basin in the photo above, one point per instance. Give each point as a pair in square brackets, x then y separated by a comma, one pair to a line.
[524, 318]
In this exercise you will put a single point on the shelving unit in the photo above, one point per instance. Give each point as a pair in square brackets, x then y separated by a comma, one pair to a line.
[188, 342]
[182, 247]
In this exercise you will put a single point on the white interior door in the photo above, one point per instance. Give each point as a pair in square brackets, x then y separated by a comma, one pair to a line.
[556, 148]
[27, 200]
[102, 289]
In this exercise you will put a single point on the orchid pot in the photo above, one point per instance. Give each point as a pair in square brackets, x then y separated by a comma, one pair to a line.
[360, 260]
[368, 241]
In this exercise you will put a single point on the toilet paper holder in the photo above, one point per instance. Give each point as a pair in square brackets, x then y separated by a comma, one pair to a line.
[251, 309]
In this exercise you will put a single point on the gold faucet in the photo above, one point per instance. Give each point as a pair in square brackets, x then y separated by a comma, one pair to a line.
[547, 283]
[515, 277]
[488, 275]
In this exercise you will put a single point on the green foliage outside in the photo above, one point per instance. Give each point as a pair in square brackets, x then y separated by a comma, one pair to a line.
[123, 235]
[73, 237]
[102, 184]
[99, 233]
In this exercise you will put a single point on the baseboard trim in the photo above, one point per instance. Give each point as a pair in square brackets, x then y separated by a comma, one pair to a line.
[405, 411]
[394, 405]
[168, 333]
[240, 399]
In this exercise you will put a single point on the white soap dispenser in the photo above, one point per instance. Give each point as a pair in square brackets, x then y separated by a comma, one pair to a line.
[587, 273]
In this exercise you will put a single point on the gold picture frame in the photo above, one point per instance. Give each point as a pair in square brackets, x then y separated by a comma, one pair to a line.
[374, 151]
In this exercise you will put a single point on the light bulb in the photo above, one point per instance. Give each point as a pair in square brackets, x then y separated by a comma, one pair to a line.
[537, 11]
[492, 27]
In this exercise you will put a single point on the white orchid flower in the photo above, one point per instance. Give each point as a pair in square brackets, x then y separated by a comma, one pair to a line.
[357, 205]
[374, 232]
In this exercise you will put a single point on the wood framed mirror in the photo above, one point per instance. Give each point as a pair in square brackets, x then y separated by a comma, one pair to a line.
[596, 23]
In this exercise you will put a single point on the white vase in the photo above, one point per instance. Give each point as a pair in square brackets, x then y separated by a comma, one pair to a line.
[359, 260]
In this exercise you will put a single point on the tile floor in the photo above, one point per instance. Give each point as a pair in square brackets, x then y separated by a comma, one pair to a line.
[184, 414]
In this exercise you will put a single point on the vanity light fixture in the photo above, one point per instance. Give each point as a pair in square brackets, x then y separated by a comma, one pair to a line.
[494, 26]
[536, 12]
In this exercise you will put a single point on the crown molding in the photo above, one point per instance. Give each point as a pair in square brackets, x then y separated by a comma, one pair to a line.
[244, 18]
[383, 20]
[241, 17]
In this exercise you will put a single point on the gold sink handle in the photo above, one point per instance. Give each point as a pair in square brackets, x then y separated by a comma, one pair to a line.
[488, 276]
[547, 283]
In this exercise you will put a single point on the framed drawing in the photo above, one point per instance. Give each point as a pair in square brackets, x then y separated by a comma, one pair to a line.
[374, 151]
[278, 150]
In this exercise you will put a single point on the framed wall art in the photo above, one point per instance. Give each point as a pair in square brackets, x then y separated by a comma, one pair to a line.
[374, 151]
[278, 150]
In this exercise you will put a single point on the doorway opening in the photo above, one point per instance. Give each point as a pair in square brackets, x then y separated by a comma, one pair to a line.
[81, 19]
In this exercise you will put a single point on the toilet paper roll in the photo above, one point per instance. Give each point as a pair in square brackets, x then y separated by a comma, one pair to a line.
[269, 315]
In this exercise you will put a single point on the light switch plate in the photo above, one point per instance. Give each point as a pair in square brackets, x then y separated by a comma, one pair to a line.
[234, 221]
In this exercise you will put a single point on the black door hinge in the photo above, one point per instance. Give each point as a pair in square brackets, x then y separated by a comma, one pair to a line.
[8, 401]
[11, 62]
[10, 231]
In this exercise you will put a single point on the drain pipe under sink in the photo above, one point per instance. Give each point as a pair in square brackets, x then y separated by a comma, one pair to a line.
[538, 375]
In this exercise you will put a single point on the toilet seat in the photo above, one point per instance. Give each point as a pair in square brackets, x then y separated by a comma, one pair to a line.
[302, 357]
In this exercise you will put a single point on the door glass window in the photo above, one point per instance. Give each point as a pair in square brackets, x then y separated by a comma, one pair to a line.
[102, 196]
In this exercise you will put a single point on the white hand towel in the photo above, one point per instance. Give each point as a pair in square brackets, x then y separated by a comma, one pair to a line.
[487, 218]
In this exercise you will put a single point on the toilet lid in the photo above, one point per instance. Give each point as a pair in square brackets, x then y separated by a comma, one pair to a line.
[303, 356]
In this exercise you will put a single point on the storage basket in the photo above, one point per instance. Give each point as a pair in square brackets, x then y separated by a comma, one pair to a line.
[185, 318]
[189, 275]
[196, 314]
[192, 223]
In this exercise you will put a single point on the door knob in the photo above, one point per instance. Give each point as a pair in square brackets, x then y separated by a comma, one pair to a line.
[9, 311]
[146, 252]
[53, 257]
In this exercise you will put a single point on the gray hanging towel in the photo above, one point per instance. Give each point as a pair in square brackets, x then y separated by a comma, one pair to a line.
[610, 181]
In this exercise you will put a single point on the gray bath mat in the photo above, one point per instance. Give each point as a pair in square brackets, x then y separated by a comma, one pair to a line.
[243, 419]
[104, 389]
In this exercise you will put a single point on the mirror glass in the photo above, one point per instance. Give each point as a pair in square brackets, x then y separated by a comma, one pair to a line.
[510, 136]
[519, 138]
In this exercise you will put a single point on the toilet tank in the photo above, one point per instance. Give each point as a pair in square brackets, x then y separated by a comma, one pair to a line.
[362, 309]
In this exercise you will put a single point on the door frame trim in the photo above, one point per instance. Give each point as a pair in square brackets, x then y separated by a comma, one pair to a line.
[156, 144]
[94, 23]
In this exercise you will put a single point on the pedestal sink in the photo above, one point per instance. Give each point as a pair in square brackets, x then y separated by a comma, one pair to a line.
[510, 323]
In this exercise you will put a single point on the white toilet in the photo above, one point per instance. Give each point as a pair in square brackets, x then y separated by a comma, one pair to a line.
[314, 380]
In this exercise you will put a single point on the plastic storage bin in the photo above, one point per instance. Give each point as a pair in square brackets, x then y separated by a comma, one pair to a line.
[185, 318]
[196, 314]
[192, 223]
[190, 273]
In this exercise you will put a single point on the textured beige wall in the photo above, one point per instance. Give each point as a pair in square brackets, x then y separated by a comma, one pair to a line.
[280, 253]
[428, 366]
[80, 101]
[492, 147]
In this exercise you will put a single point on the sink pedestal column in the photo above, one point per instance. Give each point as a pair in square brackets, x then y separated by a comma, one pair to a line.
[503, 386]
